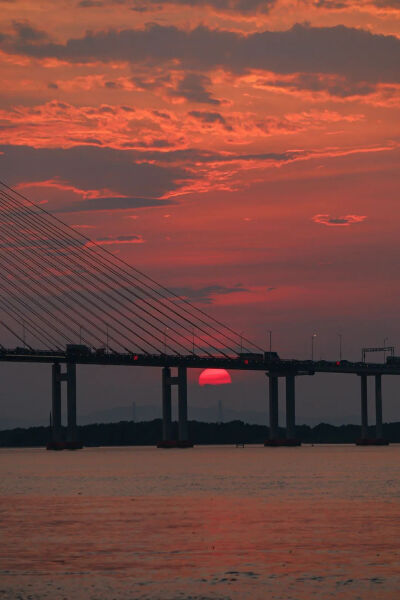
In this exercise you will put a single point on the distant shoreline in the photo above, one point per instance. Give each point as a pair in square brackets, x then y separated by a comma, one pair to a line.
[148, 433]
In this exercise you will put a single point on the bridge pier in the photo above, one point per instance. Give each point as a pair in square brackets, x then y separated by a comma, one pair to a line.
[365, 440]
[57, 441]
[290, 408]
[166, 404]
[182, 405]
[273, 408]
[180, 380]
[290, 437]
[378, 407]
[56, 432]
[71, 404]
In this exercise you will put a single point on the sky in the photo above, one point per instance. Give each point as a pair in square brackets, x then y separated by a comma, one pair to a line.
[243, 152]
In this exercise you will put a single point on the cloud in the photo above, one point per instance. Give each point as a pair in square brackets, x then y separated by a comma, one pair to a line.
[392, 5]
[209, 117]
[344, 221]
[90, 4]
[300, 49]
[193, 88]
[206, 295]
[91, 168]
[243, 7]
[121, 239]
[105, 204]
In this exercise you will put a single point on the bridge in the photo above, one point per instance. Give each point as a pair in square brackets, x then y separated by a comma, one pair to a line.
[69, 301]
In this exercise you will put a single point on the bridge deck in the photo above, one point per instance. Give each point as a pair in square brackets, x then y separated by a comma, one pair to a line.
[277, 367]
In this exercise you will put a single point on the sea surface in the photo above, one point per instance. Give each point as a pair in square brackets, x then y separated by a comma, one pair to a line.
[205, 523]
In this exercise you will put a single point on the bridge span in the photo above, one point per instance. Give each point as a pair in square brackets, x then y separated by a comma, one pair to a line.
[273, 366]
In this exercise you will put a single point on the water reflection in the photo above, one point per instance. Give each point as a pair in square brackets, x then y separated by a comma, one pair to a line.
[206, 523]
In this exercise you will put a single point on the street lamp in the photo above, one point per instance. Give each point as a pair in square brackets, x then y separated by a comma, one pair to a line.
[340, 346]
[314, 335]
[384, 345]
[270, 340]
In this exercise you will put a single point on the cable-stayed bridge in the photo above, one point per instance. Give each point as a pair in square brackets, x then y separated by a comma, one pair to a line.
[67, 300]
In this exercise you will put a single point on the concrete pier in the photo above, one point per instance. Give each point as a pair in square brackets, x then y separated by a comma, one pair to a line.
[180, 380]
[166, 404]
[71, 403]
[182, 404]
[273, 408]
[365, 440]
[290, 408]
[57, 440]
[378, 407]
[290, 436]
[56, 432]
[364, 407]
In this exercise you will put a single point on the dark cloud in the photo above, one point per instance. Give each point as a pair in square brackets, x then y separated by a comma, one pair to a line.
[353, 53]
[239, 6]
[193, 88]
[88, 167]
[205, 295]
[191, 156]
[119, 238]
[208, 117]
[90, 4]
[333, 85]
[338, 221]
[342, 4]
[101, 204]
[25, 33]
[52, 86]
[112, 85]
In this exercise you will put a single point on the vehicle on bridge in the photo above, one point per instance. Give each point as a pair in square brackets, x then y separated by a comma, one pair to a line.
[393, 360]
[78, 351]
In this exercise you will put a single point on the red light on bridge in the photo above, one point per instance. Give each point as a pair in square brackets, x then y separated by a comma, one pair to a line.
[135, 357]
[246, 362]
[338, 363]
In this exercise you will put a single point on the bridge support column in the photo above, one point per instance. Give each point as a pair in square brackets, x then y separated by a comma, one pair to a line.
[71, 404]
[182, 404]
[273, 408]
[364, 407]
[378, 407]
[56, 433]
[365, 440]
[57, 442]
[181, 382]
[166, 404]
[290, 437]
[290, 408]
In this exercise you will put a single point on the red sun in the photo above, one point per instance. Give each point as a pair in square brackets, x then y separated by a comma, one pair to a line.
[214, 377]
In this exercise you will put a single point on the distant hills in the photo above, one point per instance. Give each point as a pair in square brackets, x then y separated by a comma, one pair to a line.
[129, 433]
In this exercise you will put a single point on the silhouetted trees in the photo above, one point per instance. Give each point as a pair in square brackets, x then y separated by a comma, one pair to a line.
[128, 433]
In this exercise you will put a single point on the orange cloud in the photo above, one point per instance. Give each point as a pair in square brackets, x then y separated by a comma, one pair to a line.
[344, 221]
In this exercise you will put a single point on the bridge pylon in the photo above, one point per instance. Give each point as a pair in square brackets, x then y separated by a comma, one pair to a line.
[366, 439]
[57, 440]
[274, 438]
[180, 380]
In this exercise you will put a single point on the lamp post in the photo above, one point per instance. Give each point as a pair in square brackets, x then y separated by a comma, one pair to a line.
[270, 340]
[340, 346]
[314, 335]
[384, 345]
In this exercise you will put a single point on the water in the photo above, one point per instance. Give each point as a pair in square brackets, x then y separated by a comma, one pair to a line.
[209, 523]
